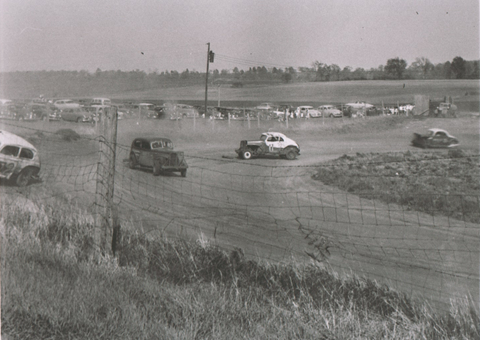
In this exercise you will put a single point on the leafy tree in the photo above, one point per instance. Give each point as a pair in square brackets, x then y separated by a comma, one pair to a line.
[458, 67]
[423, 65]
[287, 77]
[396, 67]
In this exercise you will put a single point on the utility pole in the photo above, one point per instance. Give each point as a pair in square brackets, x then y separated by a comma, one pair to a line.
[206, 79]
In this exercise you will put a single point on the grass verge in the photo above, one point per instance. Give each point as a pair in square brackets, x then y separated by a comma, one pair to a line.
[163, 288]
[428, 182]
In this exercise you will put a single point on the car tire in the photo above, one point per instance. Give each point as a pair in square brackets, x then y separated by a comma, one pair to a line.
[79, 119]
[44, 118]
[21, 118]
[132, 162]
[183, 173]
[24, 178]
[331, 115]
[291, 155]
[247, 155]
[156, 169]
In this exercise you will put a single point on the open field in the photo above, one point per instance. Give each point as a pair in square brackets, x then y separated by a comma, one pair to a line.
[464, 92]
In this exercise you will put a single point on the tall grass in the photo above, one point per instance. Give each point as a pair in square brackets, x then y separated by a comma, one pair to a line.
[177, 288]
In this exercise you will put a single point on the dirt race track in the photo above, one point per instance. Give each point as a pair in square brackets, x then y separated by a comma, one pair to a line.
[272, 208]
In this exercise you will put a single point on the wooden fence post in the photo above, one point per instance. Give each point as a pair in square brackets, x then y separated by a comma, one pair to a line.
[105, 215]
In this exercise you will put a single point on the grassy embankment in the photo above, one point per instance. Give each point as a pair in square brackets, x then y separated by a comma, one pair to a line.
[164, 288]
[427, 182]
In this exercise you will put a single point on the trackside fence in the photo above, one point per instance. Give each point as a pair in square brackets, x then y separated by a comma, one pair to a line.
[275, 213]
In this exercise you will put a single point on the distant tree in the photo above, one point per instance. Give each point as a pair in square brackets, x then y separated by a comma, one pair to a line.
[472, 69]
[422, 65]
[287, 77]
[185, 74]
[447, 70]
[458, 67]
[335, 72]
[359, 74]
[346, 73]
[396, 67]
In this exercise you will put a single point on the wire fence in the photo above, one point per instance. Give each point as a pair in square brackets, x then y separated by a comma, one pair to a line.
[274, 213]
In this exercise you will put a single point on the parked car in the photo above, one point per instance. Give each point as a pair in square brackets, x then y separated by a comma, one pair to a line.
[79, 115]
[41, 111]
[446, 110]
[5, 102]
[65, 104]
[265, 106]
[308, 111]
[359, 105]
[19, 160]
[270, 143]
[101, 101]
[20, 111]
[435, 138]
[329, 111]
[182, 111]
[144, 110]
[158, 154]
[6, 111]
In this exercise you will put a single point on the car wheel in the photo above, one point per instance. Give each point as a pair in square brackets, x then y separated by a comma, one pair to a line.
[156, 169]
[44, 118]
[184, 173]
[79, 119]
[291, 155]
[20, 118]
[331, 115]
[247, 154]
[23, 179]
[132, 162]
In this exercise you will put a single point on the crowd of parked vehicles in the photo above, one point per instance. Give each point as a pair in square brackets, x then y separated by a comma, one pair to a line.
[91, 110]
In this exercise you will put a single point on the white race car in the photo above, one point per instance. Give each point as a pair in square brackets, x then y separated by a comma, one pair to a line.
[272, 143]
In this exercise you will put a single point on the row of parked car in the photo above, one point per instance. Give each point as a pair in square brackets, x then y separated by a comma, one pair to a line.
[334, 111]
[90, 110]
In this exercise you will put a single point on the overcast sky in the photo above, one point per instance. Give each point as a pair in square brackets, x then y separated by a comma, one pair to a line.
[159, 35]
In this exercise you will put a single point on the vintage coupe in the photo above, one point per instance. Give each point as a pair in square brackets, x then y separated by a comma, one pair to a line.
[19, 160]
[272, 143]
[435, 138]
[157, 154]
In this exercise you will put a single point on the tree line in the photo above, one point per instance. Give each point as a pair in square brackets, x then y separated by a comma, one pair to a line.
[26, 84]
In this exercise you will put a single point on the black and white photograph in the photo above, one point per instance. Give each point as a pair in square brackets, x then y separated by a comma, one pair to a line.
[240, 170]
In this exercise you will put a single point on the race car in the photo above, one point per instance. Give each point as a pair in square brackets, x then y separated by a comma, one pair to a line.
[435, 138]
[270, 143]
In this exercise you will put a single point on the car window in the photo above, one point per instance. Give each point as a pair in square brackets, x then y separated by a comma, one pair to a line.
[146, 145]
[26, 154]
[440, 134]
[10, 150]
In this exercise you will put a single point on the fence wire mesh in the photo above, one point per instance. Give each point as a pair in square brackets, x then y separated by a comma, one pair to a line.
[282, 214]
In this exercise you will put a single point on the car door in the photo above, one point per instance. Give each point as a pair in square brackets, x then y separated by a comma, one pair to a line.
[9, 155]
[440, 139]
[67, 114]
[273, 143]
[145, 158]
